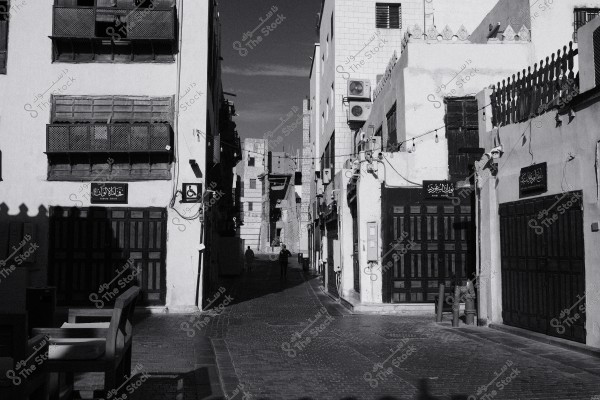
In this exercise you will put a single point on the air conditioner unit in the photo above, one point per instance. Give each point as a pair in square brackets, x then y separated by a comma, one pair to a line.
[359, 89]
[326, 176]
[373, 144]
[359, 112]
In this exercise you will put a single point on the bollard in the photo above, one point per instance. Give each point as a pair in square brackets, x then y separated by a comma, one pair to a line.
[456, 307]
[470, 304]
[440, 305]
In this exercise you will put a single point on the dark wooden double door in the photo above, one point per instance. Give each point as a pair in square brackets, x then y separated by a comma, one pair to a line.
[426, 243]
[90, 247]
[543, 268]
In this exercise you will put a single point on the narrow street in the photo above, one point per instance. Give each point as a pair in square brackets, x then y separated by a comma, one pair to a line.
[342, 359]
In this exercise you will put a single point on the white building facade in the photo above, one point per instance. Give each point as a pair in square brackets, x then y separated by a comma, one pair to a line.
[110, 112]
[251, 201]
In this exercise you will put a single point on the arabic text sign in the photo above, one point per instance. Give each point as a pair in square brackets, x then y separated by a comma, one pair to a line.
[533, 179]
[109, 193]
[438, 189]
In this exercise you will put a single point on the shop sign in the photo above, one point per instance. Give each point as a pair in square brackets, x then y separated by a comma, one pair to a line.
[438, 189]
[109, 193]
[533, 180]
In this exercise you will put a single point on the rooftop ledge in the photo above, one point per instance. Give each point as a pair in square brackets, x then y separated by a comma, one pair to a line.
[448, 36]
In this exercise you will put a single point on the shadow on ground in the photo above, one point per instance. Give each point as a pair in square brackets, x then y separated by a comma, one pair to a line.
[264, 277]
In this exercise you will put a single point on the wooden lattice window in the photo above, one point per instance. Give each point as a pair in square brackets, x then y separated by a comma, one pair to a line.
[597, 55]
[392, 121]
[388, 15]
[110, 137]
[4, 17]
[462, 132]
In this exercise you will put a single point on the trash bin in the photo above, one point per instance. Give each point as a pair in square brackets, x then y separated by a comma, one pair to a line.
[305, 264]
[41, 307]
[300, 256]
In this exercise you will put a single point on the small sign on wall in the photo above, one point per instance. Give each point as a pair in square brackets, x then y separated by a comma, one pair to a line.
[191, 193]
[533, 180]
[109, 193]
[438, 189]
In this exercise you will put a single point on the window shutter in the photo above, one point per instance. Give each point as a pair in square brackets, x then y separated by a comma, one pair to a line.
[597, 54]
[217, 149]
[382, 15]
[388, 15]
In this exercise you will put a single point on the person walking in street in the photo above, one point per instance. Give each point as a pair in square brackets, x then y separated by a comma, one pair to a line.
[284, 254]
[249, 259]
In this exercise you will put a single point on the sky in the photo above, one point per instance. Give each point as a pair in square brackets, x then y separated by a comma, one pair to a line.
[270, 76]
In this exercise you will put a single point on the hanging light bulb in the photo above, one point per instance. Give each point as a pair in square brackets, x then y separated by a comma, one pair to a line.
[437, 138]
[414, 148]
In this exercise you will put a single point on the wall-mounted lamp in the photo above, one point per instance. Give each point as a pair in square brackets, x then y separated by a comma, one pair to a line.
[196, 168]
[558, 121]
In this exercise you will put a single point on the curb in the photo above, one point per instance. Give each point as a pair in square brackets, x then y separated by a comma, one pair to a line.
[553, 341]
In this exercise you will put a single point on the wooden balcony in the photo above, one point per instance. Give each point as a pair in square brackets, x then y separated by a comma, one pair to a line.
[108, 138]
[124, 21]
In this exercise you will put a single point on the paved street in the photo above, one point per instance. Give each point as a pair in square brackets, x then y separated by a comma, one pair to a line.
[264, 347]
[346, 356]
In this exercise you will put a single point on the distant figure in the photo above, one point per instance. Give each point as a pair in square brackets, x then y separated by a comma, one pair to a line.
[283, 260]
[249, 259]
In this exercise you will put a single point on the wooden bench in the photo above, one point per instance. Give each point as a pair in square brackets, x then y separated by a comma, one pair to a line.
[23, 372]
[93, 347]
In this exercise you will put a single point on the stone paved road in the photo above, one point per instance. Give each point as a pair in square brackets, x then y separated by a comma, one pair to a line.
[346, 356]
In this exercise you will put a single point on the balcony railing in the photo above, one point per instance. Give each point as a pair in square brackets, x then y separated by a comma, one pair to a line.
[551, 84]
[126, 21]
[108, 138]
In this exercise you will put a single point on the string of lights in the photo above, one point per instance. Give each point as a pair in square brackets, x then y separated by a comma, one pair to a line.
[399, 145]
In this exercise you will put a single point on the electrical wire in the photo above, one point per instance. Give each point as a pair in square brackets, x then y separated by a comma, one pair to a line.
[399, 174]
[399, 145]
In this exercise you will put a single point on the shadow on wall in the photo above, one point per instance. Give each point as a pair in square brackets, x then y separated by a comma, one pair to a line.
[23, 254]
[81, 252]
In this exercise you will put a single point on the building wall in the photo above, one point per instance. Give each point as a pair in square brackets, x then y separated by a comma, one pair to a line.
[250, 232]
[315, 141]
[571, 153]
[25, 166]
[424, 75]
[360, 50]
[553, 145]
[307, 176]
